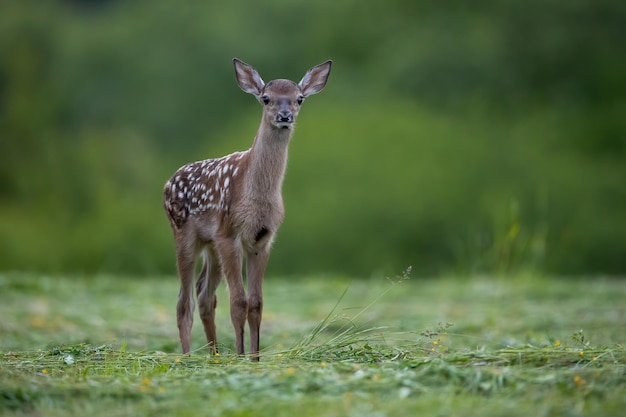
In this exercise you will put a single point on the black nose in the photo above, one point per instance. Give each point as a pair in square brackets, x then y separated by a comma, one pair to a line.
[285, 116]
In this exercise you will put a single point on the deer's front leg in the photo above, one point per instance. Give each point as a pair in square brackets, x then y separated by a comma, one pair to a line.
[231, 259]
[255, 268]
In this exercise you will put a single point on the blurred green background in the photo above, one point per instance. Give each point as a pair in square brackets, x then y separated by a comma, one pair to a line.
[453, 136]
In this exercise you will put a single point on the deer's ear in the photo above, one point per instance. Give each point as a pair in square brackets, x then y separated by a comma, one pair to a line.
[248, 78]
[315, 79]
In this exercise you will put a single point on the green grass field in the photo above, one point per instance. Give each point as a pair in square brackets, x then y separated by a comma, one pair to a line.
[514, 346]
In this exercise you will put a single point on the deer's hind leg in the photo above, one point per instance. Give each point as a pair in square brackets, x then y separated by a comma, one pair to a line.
[186, 258]
[207, 283]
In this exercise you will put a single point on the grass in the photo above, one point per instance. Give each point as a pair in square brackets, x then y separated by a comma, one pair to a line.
[331, 347]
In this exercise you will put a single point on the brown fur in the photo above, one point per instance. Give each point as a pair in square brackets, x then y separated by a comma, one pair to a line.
[231, 207]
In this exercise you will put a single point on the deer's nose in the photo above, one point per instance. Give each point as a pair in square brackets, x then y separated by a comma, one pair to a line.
[285, 116]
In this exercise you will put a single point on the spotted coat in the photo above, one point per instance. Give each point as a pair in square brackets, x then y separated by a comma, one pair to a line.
[201, 186]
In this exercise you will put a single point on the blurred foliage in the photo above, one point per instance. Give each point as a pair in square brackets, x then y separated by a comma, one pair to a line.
[484, 136]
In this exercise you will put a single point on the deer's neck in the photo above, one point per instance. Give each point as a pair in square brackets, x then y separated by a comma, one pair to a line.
[267, 162]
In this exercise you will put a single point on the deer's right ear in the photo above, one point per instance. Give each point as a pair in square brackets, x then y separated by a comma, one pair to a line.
[315, 79]
[248, 78]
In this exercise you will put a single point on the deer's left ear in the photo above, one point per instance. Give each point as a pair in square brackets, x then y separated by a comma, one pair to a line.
[248, 78]
[315, 79]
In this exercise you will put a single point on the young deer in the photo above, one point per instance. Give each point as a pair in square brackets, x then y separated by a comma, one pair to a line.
[231, 207]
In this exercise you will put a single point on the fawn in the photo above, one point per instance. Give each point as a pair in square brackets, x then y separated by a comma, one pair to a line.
[229, 208]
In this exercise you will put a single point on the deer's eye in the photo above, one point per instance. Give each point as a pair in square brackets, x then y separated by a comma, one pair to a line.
[300, 100]
[266, 99]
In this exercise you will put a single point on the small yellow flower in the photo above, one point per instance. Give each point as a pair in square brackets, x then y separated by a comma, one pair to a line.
[280, 355]
[581, 353]
[435, 343]
[44, 371]
[579, 381]
[291, 371]
[217, 354]
[323, 364]
[177, 360]
[146, 381]
[216, 361]
[37, 321]
[557, 343]
[595, 358]
[376, 377]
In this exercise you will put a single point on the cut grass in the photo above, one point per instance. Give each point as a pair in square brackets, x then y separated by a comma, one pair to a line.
[98, 346]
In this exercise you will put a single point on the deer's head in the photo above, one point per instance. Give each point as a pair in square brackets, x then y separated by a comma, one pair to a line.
[281, 99]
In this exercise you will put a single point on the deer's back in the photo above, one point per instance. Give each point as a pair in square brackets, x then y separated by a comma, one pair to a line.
[200, 187]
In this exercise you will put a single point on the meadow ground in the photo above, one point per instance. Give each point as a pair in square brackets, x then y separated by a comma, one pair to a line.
[514, 346]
